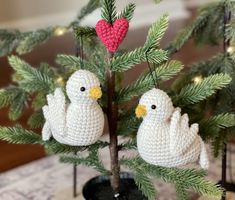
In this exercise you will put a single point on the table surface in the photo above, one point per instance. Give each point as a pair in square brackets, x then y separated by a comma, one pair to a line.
[44, 178]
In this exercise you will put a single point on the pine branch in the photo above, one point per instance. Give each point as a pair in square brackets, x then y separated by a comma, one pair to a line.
[7, 95]
[17, 105]
[144, 184]
[84, 32]
[74, 63]
[14, 97]
[55, 147]
[210, 128]
[108, 11]
[52, 146]
[130, 145]
[202, 69]
[39, 101]
[128, 12]
[8, 41]
[194, 93]
[128, 60]
[184, 178]
[36, 120]
[181, 192]
[156, 32]
[32, 79]
[146, 82]
[92, 160]
[199, 27]
[88, 8]
[128, 126]
[33, 39]
[18, 135]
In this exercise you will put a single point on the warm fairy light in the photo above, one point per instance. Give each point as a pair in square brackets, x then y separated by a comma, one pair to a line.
[197, 79]
[60, 31]
[230, 50]
[60, 81]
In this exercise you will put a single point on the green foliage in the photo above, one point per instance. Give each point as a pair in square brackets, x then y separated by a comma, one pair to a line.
[14, 97]
[183, 178]
[8, 41]
[92, 160]
[128, 12]
[128, 126]
[211, 127]
[146, 82]
[18, 135]
[7, 95]
[25, 42]
[131, 144]
[181, 192]
[73, 63]
[147, 53]
[194, 93]
[128, 60]
[108, 11]
[201, 28]
[144, 184]
[36, 120]
[17, 105]
[88, 8]
[156, 32]
[32, 79]
[52, 146]
[84, 32]
[33, 39]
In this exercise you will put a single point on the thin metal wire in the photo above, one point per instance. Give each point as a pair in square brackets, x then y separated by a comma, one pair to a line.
[75, 179]
[230, 161]
[151, 70]
[79, 52]
[226, 43]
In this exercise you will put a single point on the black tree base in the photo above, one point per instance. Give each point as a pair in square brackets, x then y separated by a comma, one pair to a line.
[228, 186]
[99, 188]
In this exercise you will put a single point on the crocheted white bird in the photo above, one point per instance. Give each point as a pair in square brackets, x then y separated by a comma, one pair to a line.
[165, 138]
[81, 122]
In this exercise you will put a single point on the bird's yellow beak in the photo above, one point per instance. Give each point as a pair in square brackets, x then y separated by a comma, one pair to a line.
[140, 111]
[95, 92]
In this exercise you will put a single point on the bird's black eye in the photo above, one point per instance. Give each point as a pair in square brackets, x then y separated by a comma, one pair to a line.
[82, 89]
[153, 107]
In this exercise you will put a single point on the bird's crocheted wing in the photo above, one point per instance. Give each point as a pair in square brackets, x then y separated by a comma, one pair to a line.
[182, 135]
[55, 114]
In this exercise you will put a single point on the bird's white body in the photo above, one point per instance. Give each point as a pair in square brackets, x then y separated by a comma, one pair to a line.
[79, 123]
[165, 138]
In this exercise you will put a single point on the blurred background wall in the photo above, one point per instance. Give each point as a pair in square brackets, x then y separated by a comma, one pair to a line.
[30, 14]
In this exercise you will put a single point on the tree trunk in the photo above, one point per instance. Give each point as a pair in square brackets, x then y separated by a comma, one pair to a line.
[112, 120]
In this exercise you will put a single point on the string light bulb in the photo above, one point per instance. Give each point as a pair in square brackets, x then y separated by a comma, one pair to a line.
[59, 31]
[60, 81]
[230, 50]
[197, 79]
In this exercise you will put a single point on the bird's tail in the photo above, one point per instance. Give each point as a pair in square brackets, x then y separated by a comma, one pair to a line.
[203, 160]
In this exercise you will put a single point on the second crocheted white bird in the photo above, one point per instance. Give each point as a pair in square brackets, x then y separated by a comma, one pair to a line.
[165, 138]
[81, 122]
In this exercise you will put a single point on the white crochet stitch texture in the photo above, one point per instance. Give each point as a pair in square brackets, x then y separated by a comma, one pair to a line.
[165, 138]
[81, 122]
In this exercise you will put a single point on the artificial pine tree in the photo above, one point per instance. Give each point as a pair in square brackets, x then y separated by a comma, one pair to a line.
[30, 85]
[213, 29]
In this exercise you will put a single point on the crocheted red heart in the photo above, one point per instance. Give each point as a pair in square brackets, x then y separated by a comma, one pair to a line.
[112, 35]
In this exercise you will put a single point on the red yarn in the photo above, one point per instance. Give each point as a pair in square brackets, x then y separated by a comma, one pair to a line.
[112, 35]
